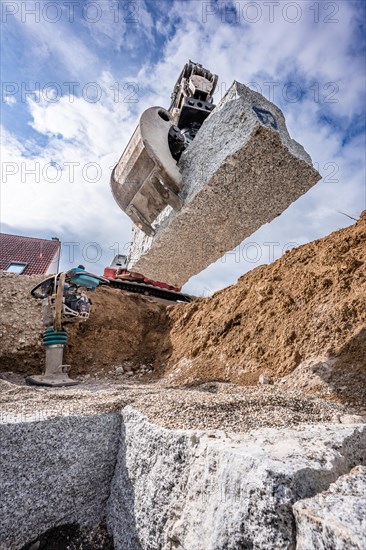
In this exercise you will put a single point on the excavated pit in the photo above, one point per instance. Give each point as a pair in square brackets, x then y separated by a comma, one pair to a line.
[124, 329]
[299, 322]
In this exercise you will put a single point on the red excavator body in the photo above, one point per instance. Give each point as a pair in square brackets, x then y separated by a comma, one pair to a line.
[125, 275]
[120, 277]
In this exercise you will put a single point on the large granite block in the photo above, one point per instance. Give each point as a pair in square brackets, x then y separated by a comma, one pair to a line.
[242, 170]
[185, 489]
[335, 518]
[54, 472]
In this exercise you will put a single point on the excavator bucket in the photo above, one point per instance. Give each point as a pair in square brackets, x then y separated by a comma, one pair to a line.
[146, 179]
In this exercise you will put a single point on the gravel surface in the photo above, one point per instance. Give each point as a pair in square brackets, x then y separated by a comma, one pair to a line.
[211, 406]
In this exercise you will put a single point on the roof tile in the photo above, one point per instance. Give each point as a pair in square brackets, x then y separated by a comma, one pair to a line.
[36, 253]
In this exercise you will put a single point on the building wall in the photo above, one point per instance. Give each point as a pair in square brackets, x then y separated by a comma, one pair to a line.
[54, 265]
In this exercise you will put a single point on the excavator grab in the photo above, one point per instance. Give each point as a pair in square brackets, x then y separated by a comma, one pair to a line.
[147, 179]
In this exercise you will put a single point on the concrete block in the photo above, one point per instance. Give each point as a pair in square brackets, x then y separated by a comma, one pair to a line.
[242, 170]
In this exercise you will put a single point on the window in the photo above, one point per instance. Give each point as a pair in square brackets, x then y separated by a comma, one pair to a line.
[16, 267]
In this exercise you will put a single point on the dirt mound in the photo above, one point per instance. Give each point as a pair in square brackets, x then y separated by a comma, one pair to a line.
[122, 331]
[310, 303]
[21, 327]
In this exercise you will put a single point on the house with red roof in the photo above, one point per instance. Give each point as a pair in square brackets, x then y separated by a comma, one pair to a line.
[29, 255]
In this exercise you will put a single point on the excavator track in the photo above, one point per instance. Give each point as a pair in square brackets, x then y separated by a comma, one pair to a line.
[147, 290]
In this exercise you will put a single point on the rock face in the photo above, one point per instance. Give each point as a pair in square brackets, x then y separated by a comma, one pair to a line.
[241, 171]
[336, 518]
[151, 472]
[182, 489]
[54, 472]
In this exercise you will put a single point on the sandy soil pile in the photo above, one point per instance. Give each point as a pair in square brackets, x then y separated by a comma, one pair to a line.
[310, 304]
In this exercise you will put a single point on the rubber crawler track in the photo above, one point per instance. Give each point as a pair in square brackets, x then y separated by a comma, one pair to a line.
[147, 290]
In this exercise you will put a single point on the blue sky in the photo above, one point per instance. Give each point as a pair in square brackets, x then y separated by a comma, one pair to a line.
[77, 75]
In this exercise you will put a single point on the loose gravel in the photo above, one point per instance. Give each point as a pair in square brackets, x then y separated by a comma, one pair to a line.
[213, 406]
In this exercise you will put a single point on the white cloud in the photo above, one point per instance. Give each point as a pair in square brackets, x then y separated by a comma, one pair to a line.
[47, 40]
[9, 100]
[69, 191]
